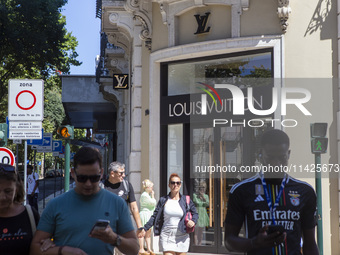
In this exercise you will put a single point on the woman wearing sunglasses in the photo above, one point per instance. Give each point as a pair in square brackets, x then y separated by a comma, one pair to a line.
[17, 222]
[168, 220]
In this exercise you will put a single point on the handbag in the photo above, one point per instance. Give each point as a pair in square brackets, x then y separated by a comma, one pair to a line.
[188, 216]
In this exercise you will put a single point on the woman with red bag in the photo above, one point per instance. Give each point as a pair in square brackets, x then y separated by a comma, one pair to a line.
[169, 220]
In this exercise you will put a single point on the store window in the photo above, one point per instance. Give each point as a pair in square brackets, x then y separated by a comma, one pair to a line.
[191, 143]
[183, 77]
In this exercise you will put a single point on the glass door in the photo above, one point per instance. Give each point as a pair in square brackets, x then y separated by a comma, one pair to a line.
[213, 149]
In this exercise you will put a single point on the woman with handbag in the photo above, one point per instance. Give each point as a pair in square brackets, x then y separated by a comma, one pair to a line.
[174, 217]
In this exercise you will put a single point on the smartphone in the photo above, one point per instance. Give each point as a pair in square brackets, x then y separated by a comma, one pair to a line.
[100, 224]
[275, 228]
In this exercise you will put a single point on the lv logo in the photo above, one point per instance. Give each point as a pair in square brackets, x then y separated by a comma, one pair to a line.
[120, 81]
[202, 21]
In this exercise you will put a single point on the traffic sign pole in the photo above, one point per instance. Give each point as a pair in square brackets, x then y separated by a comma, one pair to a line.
[67, 165]
[25, 172]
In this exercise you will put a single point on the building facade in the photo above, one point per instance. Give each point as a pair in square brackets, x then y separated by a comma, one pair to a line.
[157, 58]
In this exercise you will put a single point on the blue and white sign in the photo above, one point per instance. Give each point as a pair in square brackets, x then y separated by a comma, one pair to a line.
[57, 146]
[47, 143]
[35, 142]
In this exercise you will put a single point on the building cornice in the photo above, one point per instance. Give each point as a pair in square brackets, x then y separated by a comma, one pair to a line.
[141, 11]
[283, 12]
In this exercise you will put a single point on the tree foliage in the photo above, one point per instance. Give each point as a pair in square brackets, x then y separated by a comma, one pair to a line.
[34, 42]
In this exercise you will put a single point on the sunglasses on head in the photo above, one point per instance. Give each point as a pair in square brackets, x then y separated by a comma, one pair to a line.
[7, 168]
[178, 183]
[83, 178]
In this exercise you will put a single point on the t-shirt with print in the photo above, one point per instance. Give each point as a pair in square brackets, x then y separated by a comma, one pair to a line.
[16, 233]
[31, 180]
[120, 190]
[296, 211]
[70, 217]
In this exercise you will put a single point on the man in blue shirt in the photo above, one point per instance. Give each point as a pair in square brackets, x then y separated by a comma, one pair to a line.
[69, 218]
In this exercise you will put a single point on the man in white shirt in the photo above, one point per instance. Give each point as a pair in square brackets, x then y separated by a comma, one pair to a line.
[32, 187]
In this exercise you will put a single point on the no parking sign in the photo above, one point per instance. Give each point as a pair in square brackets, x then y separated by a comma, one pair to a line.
[7, 156]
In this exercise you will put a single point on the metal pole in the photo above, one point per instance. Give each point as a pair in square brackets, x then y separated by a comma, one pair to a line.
[25, 172]
[16, 161]
[67, 165]
[44, 190]
[319, 201]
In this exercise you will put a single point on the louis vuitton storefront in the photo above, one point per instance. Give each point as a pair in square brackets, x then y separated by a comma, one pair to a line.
[175, 52]
[192, 144]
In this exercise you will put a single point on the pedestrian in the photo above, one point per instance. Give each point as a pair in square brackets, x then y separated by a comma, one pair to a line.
[116, 184]
[32, 187]
[276, 209]
[70, 217]
[168, 220]
[201, 201]
[17, 222]
[147, 207]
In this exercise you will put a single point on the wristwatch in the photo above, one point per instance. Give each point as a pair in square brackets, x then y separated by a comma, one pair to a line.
[118, 241]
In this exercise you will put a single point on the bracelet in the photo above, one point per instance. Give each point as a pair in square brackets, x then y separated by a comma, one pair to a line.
[60, 250]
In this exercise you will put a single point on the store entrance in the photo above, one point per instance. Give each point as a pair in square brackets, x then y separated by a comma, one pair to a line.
[212, 148]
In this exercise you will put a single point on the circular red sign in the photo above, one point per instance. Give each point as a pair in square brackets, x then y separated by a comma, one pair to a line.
[34, 100]
[9, 155]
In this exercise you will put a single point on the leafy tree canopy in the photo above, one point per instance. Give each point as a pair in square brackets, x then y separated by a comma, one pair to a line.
[34, 42]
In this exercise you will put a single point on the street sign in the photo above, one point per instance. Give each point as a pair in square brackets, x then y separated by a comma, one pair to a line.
[7, 156]
[25, 125]
[47, 143]
[25, 129]
[25, 100]
[57, 146]
[55, 154]
[24, 134]
[35, 142]
[18, 141]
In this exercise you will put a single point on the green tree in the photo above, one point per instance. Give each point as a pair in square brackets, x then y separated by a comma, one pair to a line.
[34, 42]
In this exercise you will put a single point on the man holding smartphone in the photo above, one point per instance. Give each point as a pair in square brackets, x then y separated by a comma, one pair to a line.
[70, 217]
[276, 209]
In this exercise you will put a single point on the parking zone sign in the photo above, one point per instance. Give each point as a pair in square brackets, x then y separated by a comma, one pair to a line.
[26, 100]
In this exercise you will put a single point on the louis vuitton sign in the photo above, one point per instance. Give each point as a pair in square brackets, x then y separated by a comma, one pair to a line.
[121, 81]
[202, 21]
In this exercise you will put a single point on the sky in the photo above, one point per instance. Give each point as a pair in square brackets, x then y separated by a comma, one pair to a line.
[82, 22]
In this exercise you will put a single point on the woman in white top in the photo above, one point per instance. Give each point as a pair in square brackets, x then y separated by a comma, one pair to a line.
[169, 220]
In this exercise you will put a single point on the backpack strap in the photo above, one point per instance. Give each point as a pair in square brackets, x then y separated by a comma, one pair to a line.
[126, 186]
[31, 217]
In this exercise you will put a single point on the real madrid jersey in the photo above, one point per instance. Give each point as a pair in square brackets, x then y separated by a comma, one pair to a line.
[296, 211]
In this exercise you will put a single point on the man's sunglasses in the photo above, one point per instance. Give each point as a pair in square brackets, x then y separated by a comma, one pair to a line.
[7, 168]
[83, 178]
[178, 183]
[120, 173]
